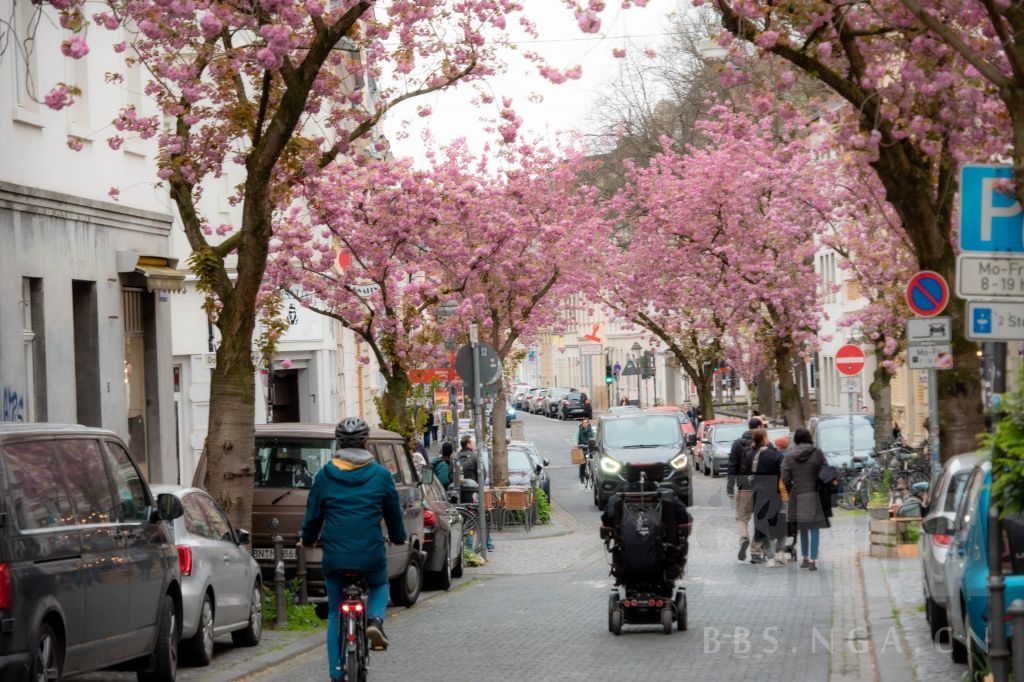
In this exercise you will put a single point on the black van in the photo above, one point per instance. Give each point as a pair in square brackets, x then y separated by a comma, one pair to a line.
[288, 456]
[89, 574]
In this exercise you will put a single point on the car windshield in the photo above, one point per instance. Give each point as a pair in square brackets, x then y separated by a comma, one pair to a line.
[642, 432]
[518, 460]
[727, 433]
[290, 462]
[835, 437]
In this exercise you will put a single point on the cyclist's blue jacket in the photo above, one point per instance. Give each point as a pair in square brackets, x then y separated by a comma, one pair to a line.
[349, 497]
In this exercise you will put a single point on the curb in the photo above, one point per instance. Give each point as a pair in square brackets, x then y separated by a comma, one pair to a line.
[888, 643]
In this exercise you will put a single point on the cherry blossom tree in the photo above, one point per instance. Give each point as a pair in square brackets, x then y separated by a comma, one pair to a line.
[917, 110]
[369, 265]
[273, 91]
[739, 214]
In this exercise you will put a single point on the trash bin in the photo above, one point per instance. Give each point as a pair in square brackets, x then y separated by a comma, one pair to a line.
[469, 491]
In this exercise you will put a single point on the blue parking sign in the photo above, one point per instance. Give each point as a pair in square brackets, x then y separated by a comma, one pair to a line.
[981, 321]
[990, 221]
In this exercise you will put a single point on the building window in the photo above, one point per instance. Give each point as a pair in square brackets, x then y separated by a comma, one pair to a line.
[34, 339]
[87, 353]
[27, 16]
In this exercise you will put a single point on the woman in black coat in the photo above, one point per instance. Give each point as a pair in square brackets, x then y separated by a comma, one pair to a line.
[800, 476]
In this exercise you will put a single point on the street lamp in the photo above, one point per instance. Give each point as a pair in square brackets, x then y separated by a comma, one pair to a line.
[637, 348]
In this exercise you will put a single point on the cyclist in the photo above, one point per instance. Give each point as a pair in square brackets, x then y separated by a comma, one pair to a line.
[349, 497]
[583, 436]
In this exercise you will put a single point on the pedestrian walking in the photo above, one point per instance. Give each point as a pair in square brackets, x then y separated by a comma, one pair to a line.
[800, 474]
[583, 436]
[428, 429]
[765, 469]
[435, 420]
[737, 486]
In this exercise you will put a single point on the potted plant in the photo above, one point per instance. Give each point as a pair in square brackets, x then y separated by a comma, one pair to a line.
[881, 498]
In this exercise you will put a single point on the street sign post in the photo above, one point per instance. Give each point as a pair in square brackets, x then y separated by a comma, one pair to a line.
[927, 293]
[995, 321]
[849, 385]
[849, 360]
[931, 356]
[991, 220]
[590, 349]
[990, 276]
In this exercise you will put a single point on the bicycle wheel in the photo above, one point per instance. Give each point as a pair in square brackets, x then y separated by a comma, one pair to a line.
[352, 663]
[470, 530]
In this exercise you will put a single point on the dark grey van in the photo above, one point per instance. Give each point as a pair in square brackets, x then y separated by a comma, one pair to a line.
[288, 456]
[89, 574]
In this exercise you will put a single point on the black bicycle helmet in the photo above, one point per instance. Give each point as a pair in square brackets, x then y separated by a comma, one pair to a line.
[351, 432]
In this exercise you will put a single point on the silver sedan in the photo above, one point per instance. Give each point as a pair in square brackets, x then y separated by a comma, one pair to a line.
[220, 581]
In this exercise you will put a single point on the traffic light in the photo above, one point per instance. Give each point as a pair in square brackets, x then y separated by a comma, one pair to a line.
[608, 375]
[647, 364]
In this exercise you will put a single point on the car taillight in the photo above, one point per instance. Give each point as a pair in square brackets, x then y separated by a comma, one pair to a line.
[429, 518]
[185, 559]
[5, 586]
[942, 540]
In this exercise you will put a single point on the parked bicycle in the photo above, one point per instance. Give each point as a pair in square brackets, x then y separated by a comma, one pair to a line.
[588, 467]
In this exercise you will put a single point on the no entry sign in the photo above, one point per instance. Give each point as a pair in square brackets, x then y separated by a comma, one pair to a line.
[849, 360]
[927, 293]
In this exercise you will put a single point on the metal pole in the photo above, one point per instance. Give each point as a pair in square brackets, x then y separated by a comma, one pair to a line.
[849, 395]
[282, 604]
[997, 652]
[478, 428]
[933, 421]
[300, 573]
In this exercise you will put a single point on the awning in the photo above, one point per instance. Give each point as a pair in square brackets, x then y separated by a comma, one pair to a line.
[159, 272]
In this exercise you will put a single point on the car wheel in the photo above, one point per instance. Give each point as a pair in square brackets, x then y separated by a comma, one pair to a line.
[689, 495]
[597, 501]
[405, 589]
[457, 568]
[936, 620]
[250, 636]
[47, 658]
[706, 469]
[442, 580]
[601, 502]
[957, 650]
[199, 648]
[667, 620]
[165, 656]
[615, 622]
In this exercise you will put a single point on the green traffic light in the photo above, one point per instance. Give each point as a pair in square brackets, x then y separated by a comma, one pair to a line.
[608, 380]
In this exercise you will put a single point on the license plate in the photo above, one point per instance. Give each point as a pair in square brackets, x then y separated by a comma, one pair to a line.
[267, 553]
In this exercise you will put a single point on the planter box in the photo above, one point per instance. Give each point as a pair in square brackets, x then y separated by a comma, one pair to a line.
[881, 513]
[907, 551]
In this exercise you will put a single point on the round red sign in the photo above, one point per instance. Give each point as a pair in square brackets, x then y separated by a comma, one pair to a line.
[849, 360]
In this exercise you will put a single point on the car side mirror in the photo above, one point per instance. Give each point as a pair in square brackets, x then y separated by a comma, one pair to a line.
[242, 537]
[937, 525]
[546, 462]
[169, 507]
[427, 475]
[538, 469]
[910, 510]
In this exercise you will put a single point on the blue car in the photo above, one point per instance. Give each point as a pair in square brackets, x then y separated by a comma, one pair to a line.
[965, 570]
[510, 414]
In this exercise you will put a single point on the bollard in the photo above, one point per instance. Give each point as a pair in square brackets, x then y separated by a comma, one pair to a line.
[282, 605]
[1016, 614]
[998, 652]
[300, 573]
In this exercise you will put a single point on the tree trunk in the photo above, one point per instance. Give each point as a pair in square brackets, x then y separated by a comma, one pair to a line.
[789, 394]
[499, 441]
[230, 442]
[393, 406]
[800, 369]
[765, 388]
[880, 391]
[704, 395]
[961, 417]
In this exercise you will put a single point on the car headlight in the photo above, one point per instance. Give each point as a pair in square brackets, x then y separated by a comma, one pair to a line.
[680, 461]
[610, 466]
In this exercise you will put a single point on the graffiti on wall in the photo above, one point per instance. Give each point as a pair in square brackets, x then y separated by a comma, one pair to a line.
[13, 407]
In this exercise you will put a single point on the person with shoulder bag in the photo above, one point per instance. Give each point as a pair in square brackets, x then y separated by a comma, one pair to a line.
[801, 472]
[765, 467]
[583, 436]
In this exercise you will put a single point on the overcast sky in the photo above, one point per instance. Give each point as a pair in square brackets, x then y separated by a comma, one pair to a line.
[559, 107]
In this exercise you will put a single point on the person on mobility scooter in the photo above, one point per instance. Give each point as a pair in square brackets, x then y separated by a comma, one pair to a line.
[646, 528]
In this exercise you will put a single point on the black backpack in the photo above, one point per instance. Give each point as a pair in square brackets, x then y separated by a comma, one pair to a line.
[642, 533]
[468, 469]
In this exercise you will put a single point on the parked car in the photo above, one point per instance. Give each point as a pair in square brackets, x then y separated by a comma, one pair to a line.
[714, 441]
[622, 409]
[640, 438]
[553, 399]
[287, 458]
[442, 534]
[526, 402]
[519, 392]
[89, 574]
[965, 571]
[527, 467]
[575, 404]
[537, 403]
[945, 499]
[831, 434]
[220, 581]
